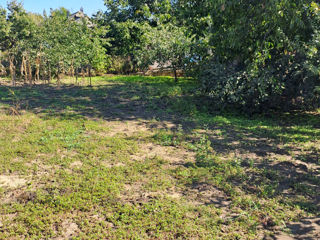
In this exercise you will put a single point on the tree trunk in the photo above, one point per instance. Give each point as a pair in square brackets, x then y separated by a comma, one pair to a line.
[87, 73]
[37, 74]
[175, 75]
[83, 75]
[12, 69]
[90, 76]
[42, 72]
[72, 70]
[25, 70]
[58, 76]
[77, 70]
[49, 74]
[30, 72]
[22, 70]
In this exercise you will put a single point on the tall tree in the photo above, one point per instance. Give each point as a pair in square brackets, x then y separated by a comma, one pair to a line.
[126, 20]
[19, 30]
[264, 51]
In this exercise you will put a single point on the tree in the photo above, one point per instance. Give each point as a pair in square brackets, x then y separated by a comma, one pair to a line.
[71, 45]
[16, 30]
[196, 15]
[90, 50]
[126, 20]
[4, 27]
[49, 45]
[4, 30]
[138, 10]
[263, 52]
[166, 45]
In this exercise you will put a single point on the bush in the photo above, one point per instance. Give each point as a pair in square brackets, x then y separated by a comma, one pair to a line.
[266, 54]
[121, 65]
[286, 83]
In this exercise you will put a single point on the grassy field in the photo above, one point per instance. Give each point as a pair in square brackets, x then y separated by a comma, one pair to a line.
[144, 158]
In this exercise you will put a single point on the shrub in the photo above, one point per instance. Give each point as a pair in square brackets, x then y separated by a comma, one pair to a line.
[121, 65]
[266, 59]
[277, 85]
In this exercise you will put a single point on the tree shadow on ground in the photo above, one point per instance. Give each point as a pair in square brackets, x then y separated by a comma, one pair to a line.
[306, 229]
[116, 102]
[157, 103]
[127, 101]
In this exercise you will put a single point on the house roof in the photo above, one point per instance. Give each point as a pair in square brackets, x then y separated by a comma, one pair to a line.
[79, 16]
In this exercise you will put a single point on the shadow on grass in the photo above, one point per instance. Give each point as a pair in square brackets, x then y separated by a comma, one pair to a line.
[136, 98]
[307, 229]
[118, 101]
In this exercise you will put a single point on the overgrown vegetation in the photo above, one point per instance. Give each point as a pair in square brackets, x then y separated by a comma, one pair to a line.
[265, 54]
[254, 55]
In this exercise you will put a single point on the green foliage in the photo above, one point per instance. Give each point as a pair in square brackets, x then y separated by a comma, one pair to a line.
[54, 43]
[120, 65]
[129, 22]
[264, 52]
[15, 27]
[68, 42]
[4, 28]
[251, 91]
[166, 45]
[138, 10]
[251, 55]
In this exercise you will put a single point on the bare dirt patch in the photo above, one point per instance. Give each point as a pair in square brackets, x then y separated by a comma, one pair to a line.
[69, 230]
[6, 218]
[76, 164]
[12, 182]
[112, 165]
[206, 194]
[135, 193]
[197, 195]
[128, 128]
[133, 127]
[40, 168]
[306, 229]
[20, 195]
[173, 155]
